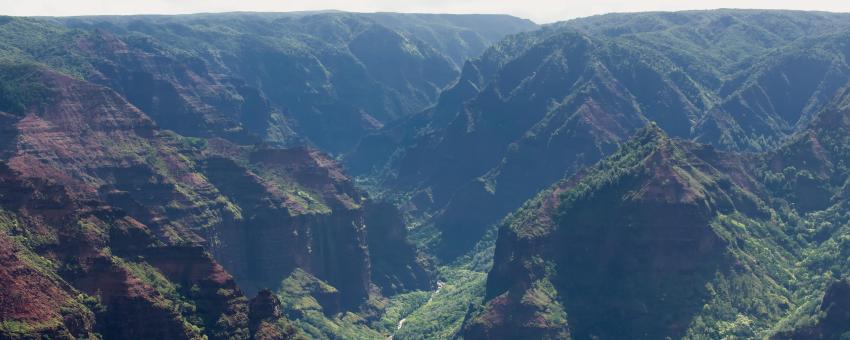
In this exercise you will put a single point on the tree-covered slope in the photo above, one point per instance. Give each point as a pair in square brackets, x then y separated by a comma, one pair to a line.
[327, 78]
[459, 37]
[541, 105]
[644, 175]
[649, 243]
[195, 137]
[666, 238]
[713, 45]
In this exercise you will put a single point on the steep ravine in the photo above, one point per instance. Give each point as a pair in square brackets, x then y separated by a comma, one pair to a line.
[261, 212]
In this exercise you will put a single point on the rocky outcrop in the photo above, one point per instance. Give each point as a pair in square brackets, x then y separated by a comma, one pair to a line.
[496, 139]
[309, 293]
[281, 231]
[396, 266]
[123, 296]
[623, 249]
[161, 203]
[34, 302]
[266, 318]
[218, 300]
[833, 316]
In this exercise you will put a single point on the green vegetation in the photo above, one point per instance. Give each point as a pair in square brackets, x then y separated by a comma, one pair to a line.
[21, 87]
[347, 326]
[28, 40]
[427, 314]
[544, 296]
[299, 288]
[300, 294]
[443, 314]
[777, 257]
[244, 81]
[399, 307]
[661, 237]
[172, 299]
[25, 240]
[17, 329]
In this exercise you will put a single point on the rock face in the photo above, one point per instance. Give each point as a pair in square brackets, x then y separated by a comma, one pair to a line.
[67, 243]
[625, 249]
[836, 305]
[34, 302]
[324, 234]
[666, 238]
[183, 95]
[266, 318]
[542, 105]
[156, 171]
[151, 224]
[173, 137]
[328, 78]
[834, 312]
[389, 250]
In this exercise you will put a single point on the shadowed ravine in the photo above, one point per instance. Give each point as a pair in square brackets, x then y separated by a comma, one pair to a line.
[334, 175]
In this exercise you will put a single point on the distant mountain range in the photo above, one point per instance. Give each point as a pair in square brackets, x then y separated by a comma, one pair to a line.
[541, 105]
[424, 176]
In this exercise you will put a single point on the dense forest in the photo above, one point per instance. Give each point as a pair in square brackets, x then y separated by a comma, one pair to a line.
[333, 175]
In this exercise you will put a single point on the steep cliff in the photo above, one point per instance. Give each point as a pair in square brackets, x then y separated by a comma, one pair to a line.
[541, 105]
[645, 244]
[833, 316]
[99, 284]
[328, 78]
[171, 201]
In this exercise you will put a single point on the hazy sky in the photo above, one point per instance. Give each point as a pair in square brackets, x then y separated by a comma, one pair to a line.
[541, 11]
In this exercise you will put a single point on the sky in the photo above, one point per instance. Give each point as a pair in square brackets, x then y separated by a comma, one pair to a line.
[540, 11]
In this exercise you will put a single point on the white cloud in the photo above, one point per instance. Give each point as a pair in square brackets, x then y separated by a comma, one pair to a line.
[541, 11]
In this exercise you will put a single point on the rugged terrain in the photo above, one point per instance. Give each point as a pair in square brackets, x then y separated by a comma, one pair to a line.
[541, 105]
[703, 243]
[153, 177]
[645, 175]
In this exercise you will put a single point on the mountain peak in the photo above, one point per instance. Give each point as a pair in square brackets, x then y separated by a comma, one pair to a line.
[651, 134]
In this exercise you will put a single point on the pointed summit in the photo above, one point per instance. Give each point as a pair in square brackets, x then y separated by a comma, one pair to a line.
[632, 241]
[651, 131]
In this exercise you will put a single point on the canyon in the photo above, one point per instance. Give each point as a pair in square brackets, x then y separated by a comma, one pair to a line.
[338, 175]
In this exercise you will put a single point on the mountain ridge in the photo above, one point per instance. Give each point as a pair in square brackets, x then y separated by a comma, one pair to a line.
[566, 132]
[371, 175]
[554, 252]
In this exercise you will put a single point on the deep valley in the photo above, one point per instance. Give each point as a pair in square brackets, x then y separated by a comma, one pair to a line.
[335, 175]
